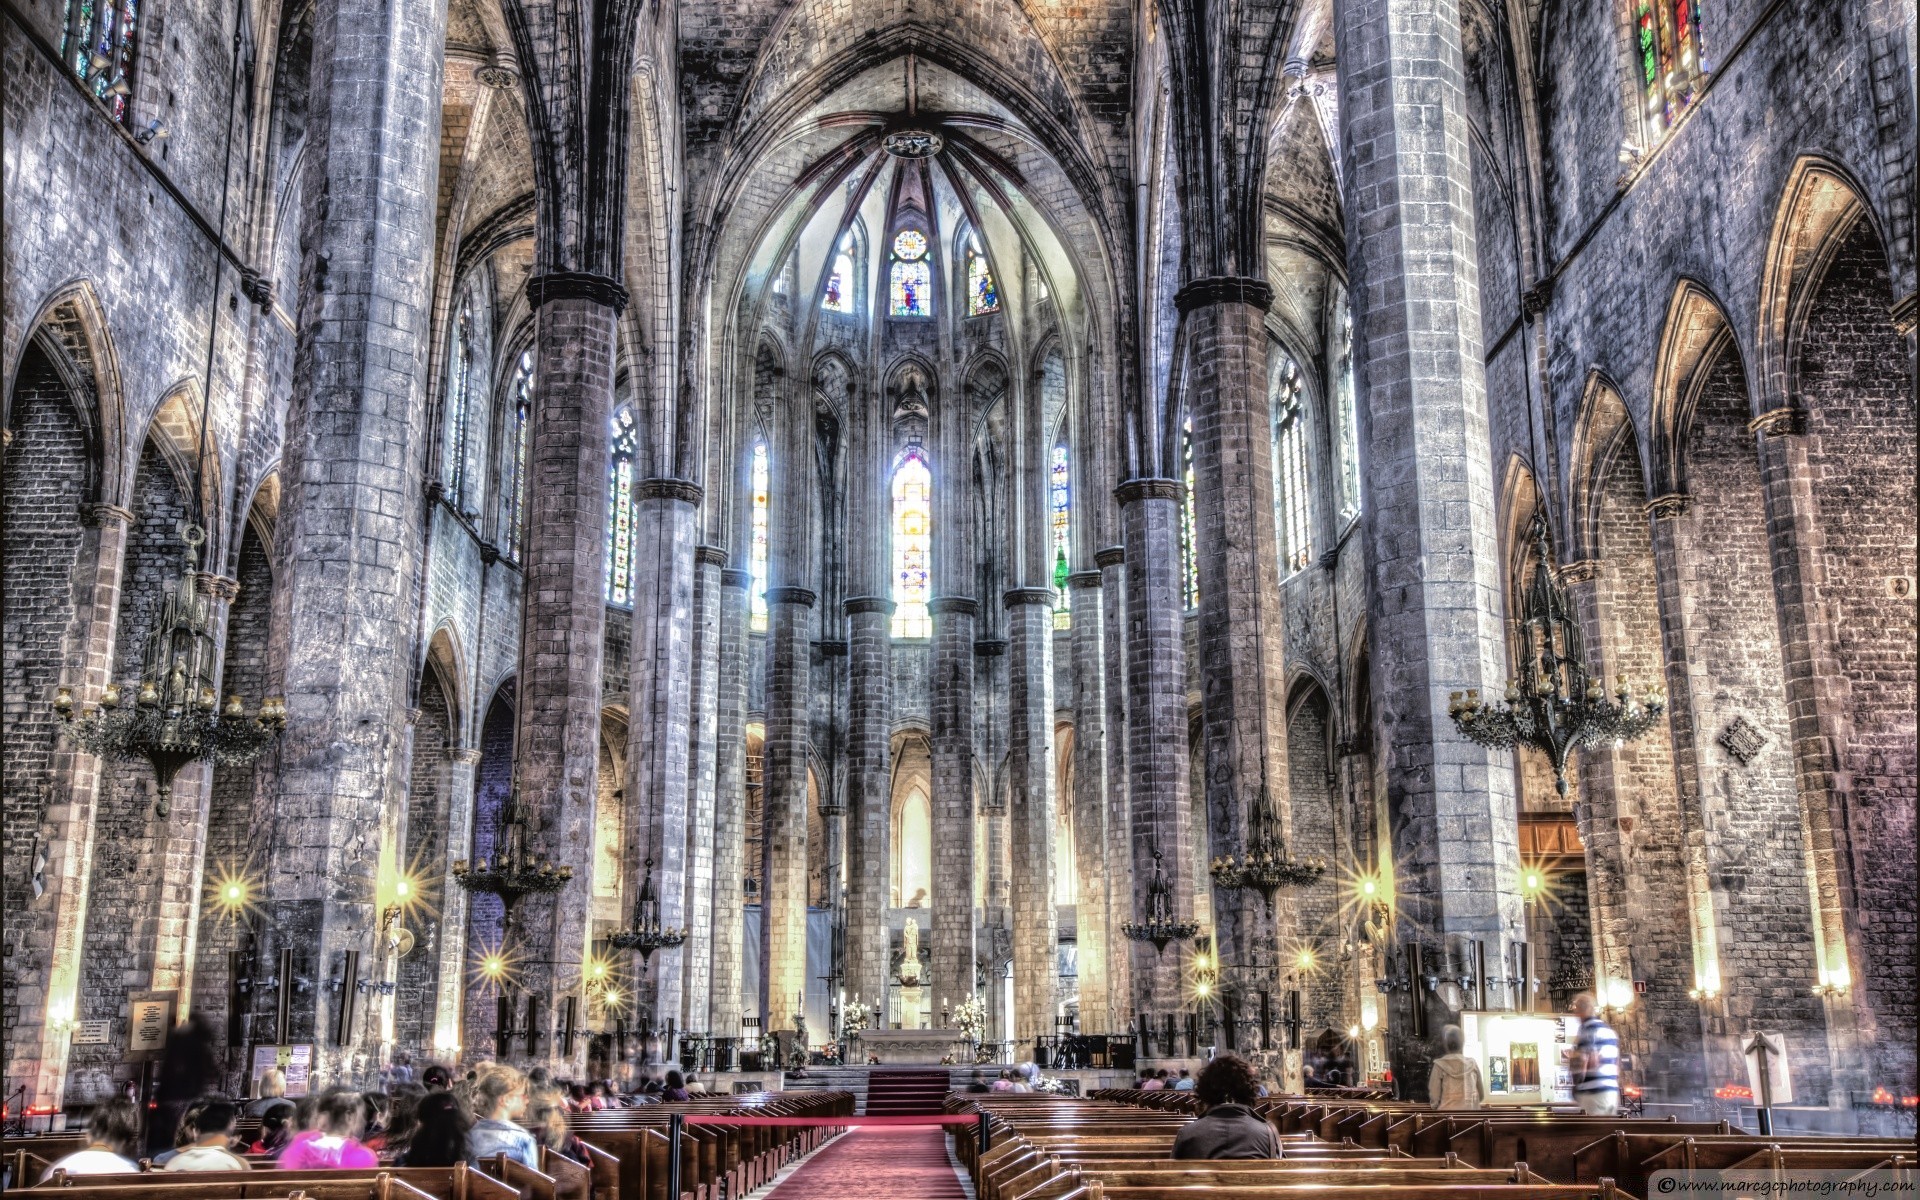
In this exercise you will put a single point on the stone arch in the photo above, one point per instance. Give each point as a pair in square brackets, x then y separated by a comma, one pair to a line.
[263, 509]
[1818, 207]
[425, 855]
[910, 860]
[1695, 335]
[71, 329]
[1603, 425]
[1066, 876]
[174, 431]
[445, 656]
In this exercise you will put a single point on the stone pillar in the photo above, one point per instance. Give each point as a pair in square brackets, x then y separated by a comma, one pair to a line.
[451, 977]
[950, 706]
[1119, 823]
[349, 531]
[1243, 684]
[869, 792]
[730, 804]
[1158, 797]
[1030, 781]
[703, 702]
[657, 747]
[1419, 364]
[1090, 802]
[783, 918]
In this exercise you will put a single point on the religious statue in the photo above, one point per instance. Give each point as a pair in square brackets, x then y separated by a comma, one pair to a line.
[910, 953]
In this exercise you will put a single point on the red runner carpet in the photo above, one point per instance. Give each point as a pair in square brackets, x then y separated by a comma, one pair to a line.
[902, 1163]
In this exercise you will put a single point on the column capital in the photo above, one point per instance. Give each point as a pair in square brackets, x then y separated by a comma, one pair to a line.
[1583, 571]
[710, 556]
[220, 587]
[1086, 579]
[1778, 422]
[686, 491]
[1147, 489]
[1668, 506]
[100, 513]
[791, 595]
[1223, 289]
[576, 285]
[1015, 597]
[855, 605]
[965, 606]
[466, 756]
[990, 647]
[1110, 556]
[732, 577]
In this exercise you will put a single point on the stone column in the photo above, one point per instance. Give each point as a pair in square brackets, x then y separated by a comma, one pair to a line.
[950, 706]
[349, 531]
[1030, 781]
[1243, 683]
[657, 747]
[783, 919]
[1431, 523]
[703, 702]
[730, 803]
[451, 978]
[869, 791]
[1158, 800]
[1119, 823]
[1090, 802]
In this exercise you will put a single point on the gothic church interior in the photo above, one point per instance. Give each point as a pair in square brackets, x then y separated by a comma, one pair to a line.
[772, 532]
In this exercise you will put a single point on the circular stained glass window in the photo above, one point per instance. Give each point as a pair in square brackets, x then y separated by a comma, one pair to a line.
[909, 244]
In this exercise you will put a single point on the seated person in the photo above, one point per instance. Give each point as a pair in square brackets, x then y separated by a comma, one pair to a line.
[210, 1149]
[1227, 1126]
[113, 1135]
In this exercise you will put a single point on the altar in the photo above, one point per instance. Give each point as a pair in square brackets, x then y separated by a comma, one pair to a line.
[895, 1047]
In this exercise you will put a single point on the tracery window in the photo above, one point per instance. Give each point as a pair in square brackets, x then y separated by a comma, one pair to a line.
[911, 278]
[620, 507]
[1189, 551]
[762, 485]
[838, 296]
[912, 545]
[983, 294]
[98, 44]
[1294, 510]
[1347, 415]
[1060, 496]
[1669, 60]
[456, 474]
[516, 490]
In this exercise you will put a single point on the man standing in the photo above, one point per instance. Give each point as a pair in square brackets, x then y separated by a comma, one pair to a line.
[1594, 1061]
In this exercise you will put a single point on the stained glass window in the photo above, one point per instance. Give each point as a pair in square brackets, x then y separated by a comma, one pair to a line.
[454, 471]
[620, 508]
[983, 295]
[1189, 548]
[762, 484]
[840, 281]
[912, 545]
[1293, 508]
[1060, 496]
[1670, 59]
[1347, 415]
[516, 491]
[98, 44]
[910, 283]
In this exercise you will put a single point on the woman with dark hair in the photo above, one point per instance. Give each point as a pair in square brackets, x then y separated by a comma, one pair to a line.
[676, 1088]
[333, 1138]
[1227, 1126]
[276, 1130]
[403, 1117]
[440, 1133]
[113, 1135]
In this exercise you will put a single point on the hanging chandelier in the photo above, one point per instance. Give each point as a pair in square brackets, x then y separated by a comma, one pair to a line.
[647, 934]
[1268, 867]
[1161, 925]
[513, 872]
[176, 717]
[1555, 706]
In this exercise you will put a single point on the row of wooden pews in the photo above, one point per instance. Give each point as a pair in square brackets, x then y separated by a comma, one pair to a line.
[715, 1160]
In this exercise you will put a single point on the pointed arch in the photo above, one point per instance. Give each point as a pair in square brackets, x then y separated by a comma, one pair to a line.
[1693, 337]
[1604, 424]
[1818, 208]
[445, 660]
[71, 327]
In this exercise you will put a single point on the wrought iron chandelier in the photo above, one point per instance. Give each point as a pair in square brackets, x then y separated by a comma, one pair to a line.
[1555, 706]
[647, 933]
[1161, 925]
[175, 718]
[513, 872]
[1268, 867]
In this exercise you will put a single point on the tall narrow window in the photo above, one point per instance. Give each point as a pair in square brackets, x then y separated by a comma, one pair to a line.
[838, 296]
[762, 484]
[522, 418]
[620, 508]
[912, 545]
[1060, 488]
[1670, 60]
[911, 279]
[1347, 414]
[1189, 549]
[98, 44]
[1294, 515]
[983, 295]
[454, 470]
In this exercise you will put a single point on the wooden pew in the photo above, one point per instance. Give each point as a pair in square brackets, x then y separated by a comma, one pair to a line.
[458, 1182]
[237, 1185]
[1096, 1190]
[1631, 1156]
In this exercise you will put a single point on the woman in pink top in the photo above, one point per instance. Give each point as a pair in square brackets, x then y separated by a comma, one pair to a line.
[334, 1139]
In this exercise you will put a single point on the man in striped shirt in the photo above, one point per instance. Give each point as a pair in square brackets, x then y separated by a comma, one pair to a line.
[1594, 1061]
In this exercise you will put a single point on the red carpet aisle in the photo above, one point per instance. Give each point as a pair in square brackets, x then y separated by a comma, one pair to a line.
[904, 1163]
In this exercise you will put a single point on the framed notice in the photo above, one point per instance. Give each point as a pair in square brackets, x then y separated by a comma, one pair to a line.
[295, 1062]
[93, 1033]
[152, 1014]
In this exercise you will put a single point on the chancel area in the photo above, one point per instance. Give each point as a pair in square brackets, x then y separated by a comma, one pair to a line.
[827, 545]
